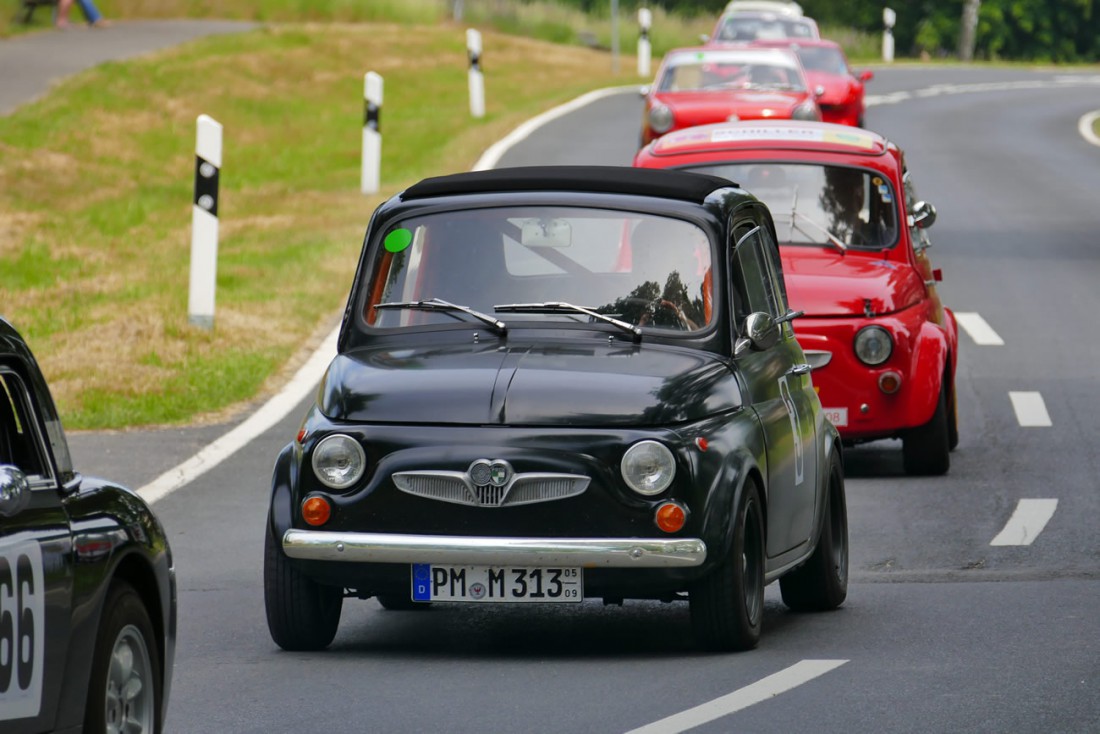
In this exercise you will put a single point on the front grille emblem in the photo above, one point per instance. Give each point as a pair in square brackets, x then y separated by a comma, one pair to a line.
[484, 473]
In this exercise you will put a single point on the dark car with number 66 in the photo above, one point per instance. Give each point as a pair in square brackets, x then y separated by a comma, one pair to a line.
[556, 384]
[87, 586]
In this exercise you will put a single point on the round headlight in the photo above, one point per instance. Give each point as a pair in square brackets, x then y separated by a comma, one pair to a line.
[339, 461]
[874, 345]
[660, 119]
[806, 111]
[648, 467]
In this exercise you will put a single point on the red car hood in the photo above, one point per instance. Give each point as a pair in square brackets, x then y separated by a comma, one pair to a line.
[838, 88]
[700, 108]
[823, 282]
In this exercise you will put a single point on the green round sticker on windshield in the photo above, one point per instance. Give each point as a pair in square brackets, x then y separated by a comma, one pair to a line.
[398, 240]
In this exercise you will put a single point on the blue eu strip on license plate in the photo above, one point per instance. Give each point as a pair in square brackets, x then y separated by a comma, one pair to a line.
[496, 584]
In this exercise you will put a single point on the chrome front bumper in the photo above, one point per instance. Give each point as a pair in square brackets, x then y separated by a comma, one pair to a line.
[319, 545]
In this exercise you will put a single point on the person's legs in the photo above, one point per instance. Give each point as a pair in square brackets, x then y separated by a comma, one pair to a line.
[61, 20]
[91, 12]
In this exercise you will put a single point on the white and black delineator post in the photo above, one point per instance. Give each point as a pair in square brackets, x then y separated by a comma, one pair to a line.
[645, 20]
[372, 133]
[889, 17]
[204, 223]
[477, 80]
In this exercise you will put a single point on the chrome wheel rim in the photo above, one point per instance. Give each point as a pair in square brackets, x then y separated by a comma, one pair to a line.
[129, 696]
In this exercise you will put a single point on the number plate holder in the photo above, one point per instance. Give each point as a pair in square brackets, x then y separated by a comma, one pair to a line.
[496, 584]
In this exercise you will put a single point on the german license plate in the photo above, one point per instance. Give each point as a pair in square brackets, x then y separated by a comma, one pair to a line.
[432, 582]
[838, 416]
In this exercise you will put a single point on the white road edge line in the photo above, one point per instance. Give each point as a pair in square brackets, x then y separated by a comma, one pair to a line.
[1031, 411]
[306, 379]
[1027, 521]
[1084, 126]
[491, 157]
[270, 413]
[980, 332]
[763, 689]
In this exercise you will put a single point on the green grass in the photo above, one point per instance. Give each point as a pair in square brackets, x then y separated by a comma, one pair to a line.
[95, 199]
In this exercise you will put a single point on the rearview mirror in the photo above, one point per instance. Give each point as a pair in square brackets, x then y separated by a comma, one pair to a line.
[546, 232]
[924, 214]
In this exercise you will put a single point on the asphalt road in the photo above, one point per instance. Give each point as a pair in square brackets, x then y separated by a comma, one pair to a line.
[942, 631]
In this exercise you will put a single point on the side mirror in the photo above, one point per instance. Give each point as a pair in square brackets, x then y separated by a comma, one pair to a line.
[924, 215]
[761, 333]
[866, 75]
[643, 91]
[819, 91]
[15, 490]
[703, 38]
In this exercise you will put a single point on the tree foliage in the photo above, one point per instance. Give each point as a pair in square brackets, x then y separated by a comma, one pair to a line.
[1026, 30]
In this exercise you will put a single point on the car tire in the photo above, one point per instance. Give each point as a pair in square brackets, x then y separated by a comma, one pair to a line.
[926, 450]
[953, 421]
[125, 688]
[398, 603]
[727, 607]
[301, 613]
[821, 583]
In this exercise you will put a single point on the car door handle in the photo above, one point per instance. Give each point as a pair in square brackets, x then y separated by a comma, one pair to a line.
[800, 369]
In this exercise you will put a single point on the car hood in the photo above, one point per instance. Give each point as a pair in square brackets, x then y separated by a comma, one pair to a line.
[700, 108]
[838, 88]
[533, 385]
[823, 282]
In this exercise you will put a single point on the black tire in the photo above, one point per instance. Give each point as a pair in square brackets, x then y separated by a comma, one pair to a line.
[926, 450]
[114, 696]
[301, 613]
[727, 607]
[821, 583]
[860, 122]
[398, 603]
[953, 421]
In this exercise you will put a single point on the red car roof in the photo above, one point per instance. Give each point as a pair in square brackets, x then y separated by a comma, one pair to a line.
[783, 134]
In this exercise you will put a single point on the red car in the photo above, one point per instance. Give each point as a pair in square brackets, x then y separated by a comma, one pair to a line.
[760, 21]
[697, 86]
[854, 248]
[840, 89]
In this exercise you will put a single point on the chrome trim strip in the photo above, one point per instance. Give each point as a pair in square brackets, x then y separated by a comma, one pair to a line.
[818, 358]
[321, 545]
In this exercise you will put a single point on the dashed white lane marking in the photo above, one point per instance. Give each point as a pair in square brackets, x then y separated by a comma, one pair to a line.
[936, 90]
[761, 690]
[1084, 126]
[1031, 411]
[270, 413]
[980, 331]
[1029, 519]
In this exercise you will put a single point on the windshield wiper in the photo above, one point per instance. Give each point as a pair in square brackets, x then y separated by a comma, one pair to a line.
[561, 307]
[795, 214]
[438, 304]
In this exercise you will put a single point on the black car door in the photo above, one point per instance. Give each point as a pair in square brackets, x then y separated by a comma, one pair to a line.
[779, 385]
[35, 568]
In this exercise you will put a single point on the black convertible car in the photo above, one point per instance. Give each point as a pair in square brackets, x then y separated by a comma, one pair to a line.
[87, 586]
[555, 384]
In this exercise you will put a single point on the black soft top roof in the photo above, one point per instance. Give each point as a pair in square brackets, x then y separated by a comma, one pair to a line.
[595, 179]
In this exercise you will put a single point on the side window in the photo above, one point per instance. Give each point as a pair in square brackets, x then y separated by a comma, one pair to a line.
[770, 254]
[20, 442]
[755, 285]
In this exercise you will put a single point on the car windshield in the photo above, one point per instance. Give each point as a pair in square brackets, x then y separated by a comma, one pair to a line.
[556, 262]
[823, 59]
[719, 73]
[832, 206]
[763, 28]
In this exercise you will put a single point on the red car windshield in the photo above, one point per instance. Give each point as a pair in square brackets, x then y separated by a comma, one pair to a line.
[726, 73]
[823, 59]
[820, 205]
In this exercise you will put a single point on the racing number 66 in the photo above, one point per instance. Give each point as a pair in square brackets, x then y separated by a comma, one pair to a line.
[17, 623]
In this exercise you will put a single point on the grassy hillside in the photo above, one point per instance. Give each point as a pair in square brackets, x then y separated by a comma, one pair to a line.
[95, 199]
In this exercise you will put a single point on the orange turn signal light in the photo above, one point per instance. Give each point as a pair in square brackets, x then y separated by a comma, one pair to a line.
[889, 382]
[671, 517]
[316, 510]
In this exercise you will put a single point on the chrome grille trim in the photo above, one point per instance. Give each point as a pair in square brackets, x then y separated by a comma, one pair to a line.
[524, 488]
